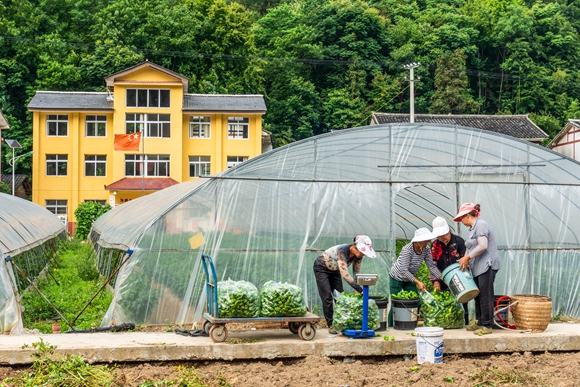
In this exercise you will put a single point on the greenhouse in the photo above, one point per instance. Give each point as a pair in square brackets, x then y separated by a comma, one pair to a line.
[270, 217]
[29, 236]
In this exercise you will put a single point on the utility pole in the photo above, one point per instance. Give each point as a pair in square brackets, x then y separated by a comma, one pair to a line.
[411, 67]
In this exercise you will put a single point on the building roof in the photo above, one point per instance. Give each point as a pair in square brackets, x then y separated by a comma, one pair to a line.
[571, 123]
[90, 101]
[519, 126]
[138, 183]
[224, 102]
[111, 79]
[3, 122]
[19, 180]
[69, 100]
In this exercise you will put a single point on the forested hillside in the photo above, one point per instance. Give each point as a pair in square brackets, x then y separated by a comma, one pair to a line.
[321, 64]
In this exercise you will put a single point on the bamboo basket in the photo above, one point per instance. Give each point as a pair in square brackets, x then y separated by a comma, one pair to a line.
[532, 311]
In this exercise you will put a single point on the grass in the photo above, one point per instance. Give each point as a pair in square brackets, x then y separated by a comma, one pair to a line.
[73, 281]
[498, 376]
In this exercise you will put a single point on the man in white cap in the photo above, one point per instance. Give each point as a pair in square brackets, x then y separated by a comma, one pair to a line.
[445, 251]
[332, 266]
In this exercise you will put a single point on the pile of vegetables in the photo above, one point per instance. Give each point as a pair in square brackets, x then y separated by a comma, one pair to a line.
[440, 309]
[282, 300]
[238, 299]
[348, 312]
[406, 294]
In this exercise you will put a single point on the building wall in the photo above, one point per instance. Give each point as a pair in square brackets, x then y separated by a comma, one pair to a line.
[76, 188]
[569, 144]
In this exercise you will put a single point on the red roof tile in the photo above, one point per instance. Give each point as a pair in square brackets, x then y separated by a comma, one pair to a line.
[138, 183]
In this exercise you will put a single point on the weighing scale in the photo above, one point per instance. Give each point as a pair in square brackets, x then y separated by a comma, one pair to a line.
[365, 280]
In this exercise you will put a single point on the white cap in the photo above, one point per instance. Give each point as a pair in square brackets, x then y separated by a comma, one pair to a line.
[364, 244]
[440, 227]
[422, 234]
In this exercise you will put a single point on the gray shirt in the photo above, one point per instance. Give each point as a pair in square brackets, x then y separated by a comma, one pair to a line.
[488, 258]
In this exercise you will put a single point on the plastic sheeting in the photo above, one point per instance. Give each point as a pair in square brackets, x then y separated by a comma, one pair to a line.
[25, 229]
[270, 217]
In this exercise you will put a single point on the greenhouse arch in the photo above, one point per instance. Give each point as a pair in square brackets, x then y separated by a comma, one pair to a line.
[268, 218]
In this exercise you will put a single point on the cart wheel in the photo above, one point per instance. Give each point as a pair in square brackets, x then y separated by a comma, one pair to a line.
[206, 326]
[218, 333]
[307, 331]
[293, 326]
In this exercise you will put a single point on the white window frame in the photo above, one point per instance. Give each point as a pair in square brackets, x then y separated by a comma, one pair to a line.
[57, 160]
[149, 124]
[199, 127]
[235, 160]
[98, 201]
[58, 207]
[239, 128]
[199, 166]
[96, 161]
[95, 122]
[60, 123]
[158, 164]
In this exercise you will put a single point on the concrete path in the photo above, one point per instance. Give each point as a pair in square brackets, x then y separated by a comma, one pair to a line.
[278, 343]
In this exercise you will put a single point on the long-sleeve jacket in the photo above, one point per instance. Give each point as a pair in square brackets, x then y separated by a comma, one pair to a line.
[337, 258]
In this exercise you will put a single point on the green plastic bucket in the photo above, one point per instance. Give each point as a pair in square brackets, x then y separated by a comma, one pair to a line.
[460, 283]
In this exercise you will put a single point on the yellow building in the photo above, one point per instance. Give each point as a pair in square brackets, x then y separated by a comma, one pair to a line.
[184, 136]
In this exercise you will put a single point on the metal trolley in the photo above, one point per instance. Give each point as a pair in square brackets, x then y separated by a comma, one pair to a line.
[215, 327]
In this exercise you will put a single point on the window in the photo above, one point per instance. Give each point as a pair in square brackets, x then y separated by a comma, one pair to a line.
[58, 207]
[151, 125]
[199, 127]
[235, 160]
[156, 165]
[147, 98]
[95, 165]
[57, 125]
[96, 126]
[56, 165]
[101, 202]
[238, 127]
[199, 166]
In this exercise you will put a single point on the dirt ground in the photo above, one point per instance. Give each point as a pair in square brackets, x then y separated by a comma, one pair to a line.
[518, 369]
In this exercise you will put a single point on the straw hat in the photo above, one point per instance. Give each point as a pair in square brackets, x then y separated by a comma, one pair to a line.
[440, 227]
[423, 234]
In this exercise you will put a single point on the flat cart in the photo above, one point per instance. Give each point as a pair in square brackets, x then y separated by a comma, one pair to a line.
[215, 327]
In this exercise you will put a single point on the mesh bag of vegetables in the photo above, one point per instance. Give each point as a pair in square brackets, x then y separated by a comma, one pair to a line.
[348, 312]
[238, 299]
[440, 309]
[281, 300]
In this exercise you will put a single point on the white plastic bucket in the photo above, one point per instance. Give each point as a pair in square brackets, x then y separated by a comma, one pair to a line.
[429, 345]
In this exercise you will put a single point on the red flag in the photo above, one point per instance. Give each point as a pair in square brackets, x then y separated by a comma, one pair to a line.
[127, 142]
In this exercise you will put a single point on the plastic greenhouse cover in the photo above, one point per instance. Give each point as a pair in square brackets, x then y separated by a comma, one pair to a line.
[270, 217]
[23, 226]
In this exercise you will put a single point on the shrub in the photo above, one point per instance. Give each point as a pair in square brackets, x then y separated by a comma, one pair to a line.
[86, 213]
[4, 188]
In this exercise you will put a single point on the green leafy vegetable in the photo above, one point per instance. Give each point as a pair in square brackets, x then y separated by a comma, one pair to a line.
[282, 300]
[348, 312]
[406, 294]
[238, 299]
[441, 310]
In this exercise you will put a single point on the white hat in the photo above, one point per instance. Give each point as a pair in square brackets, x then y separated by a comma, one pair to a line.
[422, 234]
[365, 245]
[440, 227]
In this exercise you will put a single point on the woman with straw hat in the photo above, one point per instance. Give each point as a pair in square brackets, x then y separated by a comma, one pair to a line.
[407, 265]
[483, 260]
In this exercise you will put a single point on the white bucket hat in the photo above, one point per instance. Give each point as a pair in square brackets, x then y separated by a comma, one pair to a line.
[365, 245]
[422, 234]
[440, 227]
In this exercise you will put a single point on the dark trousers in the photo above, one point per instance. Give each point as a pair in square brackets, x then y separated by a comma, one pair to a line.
[395, 287]
[484, 302]
[327, 281]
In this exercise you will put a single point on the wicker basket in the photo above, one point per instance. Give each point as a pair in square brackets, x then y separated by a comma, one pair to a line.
[532, 311]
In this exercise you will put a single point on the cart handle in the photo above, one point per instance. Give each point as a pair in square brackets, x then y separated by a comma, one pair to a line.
[210, 285]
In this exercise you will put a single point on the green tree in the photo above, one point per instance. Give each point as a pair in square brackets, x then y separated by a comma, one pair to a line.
[452, 93]
[86, 213]
[4, 188]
